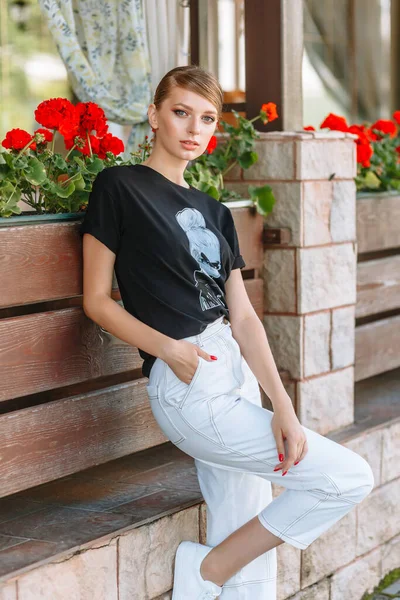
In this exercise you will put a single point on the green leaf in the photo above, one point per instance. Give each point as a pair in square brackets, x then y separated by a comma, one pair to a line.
[371, 180]
[94, 165]
[263, 198]
[36, 172]
[4, 170]
[394, 184]
[10, 195]
[59, 162]
[247, 159]
[61, 192]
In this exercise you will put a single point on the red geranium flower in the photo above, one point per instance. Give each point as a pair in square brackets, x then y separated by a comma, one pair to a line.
[396, 116]
[82, 144]
[364, 148]
[50, 113]
[16, 139]
[364, 152]
[110, 143]
[385, 126]
[268, 112]
[48, 135]
[309, 128]
[212, 144]
[335, 122]
[91, 118]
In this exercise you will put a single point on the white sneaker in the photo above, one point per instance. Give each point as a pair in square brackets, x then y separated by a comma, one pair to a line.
[188, 581]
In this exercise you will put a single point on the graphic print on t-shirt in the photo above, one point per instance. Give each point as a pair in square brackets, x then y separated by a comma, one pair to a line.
[205, 248]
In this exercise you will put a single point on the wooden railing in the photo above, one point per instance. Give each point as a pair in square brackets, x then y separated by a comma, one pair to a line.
[72, 395]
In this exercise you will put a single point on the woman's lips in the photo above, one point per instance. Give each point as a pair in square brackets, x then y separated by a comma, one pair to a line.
[189, 146]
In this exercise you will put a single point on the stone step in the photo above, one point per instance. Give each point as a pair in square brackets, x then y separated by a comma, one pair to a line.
[110, 532]
[60, 527]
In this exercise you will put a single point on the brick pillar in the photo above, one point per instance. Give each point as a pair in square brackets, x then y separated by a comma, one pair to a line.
[310, 283]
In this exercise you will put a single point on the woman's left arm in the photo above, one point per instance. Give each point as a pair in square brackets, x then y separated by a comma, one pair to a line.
[249, 332]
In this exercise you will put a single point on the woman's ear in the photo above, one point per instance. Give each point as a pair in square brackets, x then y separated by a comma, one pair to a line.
[152, 116]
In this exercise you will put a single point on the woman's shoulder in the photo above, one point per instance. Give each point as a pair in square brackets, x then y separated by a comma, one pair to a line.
[114, 173]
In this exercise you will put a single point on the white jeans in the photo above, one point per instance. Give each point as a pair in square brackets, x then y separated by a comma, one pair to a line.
[218, 419]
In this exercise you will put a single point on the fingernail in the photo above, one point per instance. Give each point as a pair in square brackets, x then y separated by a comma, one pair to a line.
[296, 463]
[277, 468]
[284, 473]
[281, 458]
[213, 357]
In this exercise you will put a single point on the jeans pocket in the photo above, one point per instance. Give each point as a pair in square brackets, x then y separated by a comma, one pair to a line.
[152, 391]
[177, 391]
[164, 415]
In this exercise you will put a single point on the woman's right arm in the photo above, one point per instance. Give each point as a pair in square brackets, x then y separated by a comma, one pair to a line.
[98, 305]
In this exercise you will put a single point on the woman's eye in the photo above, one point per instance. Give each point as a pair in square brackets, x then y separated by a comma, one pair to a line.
[178, 110]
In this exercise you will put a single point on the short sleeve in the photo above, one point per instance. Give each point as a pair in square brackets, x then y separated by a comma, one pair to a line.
[102, 218]
[230, 234]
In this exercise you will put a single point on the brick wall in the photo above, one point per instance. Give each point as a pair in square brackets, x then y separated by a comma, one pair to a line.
[310, 284]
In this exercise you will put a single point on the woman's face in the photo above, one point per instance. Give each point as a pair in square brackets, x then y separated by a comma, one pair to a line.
[184, 115]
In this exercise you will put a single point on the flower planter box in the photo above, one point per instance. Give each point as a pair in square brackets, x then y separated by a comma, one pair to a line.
[378, 221]
[72, 395]
[378, 284]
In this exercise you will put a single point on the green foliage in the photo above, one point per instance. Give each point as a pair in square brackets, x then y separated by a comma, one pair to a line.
[207, 172]
[48, 182]
[384, 172]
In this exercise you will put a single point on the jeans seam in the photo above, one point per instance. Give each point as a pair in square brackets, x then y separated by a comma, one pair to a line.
[302, 516]
[229, 355]
[182, 438]
[232, 450]
[328, 495]
[191, 384]
[339, 493]
[252, 582]
[281, 533]
[207, 337]
[213, 423]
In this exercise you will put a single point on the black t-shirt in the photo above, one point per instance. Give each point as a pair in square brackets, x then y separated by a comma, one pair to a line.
[175, 248]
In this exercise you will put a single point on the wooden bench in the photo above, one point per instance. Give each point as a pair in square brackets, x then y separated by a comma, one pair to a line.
[72, 395]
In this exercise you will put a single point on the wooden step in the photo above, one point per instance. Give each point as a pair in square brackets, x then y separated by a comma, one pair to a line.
[49, 522]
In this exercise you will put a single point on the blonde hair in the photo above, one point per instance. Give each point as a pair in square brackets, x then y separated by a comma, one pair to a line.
[193, 78]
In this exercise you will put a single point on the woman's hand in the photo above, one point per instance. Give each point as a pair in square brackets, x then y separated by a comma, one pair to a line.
[286, 426]
[183, 358]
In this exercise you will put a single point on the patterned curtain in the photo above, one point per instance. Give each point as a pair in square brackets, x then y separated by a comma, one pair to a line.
[103, 45]
[168, 34]
[351, 55]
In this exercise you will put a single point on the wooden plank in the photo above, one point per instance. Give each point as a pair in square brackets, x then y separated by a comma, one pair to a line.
[249, 226]
[40, 262]
[377, 347]
[378, 219]
[42, 443]
[43, 351]
[378, 286]
[44, 262]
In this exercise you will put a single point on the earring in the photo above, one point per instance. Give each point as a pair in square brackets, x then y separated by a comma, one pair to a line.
[154, 130]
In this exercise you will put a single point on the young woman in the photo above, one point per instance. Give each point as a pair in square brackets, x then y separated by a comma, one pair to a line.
[177, 260]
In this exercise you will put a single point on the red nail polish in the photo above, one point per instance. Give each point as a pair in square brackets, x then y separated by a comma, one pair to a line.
[277, 469]
[213, 357]
[296, 463]
[284, 473]
[281, 458]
